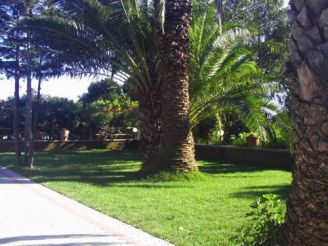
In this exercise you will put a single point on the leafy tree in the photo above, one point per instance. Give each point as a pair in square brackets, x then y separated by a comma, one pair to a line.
[21, 57]
[268, 21]
[105, 105]
[102, 90]
[307, 217]
[10, 55]
[100, 117]
[56, 113]
[6, 117]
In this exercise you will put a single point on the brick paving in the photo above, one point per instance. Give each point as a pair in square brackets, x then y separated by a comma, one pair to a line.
[31, 214]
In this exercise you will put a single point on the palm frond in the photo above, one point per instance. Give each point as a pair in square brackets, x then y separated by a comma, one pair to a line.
[223, 75]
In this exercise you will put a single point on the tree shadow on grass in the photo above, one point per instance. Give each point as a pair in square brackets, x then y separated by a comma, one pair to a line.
[224, 168]
[103, 178]
[257, 191]
[78, 158]
[99, 168]
[106, 168]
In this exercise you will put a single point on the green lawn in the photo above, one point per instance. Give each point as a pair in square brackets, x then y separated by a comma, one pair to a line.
[205, 209]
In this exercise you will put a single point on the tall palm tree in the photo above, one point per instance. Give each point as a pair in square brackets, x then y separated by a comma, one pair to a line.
[307, 206]
[177, 144]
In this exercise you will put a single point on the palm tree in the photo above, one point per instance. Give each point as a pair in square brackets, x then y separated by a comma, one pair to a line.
[177, 144]
[115, 36]
[307, 214]
[223, 75]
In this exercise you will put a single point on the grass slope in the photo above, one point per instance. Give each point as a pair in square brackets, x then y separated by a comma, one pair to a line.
[201, 209]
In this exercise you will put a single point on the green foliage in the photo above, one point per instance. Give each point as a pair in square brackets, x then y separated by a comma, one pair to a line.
[224, 76]
[240, 139]
[84, 120]
[279, 131]
[269, 24]
[118, 104]
[113, 36]
[14, 54]
[265, 223]
[105, 89]
[105, 106]
[102, 115]
[56, 113]
[209, 131]
[6, 113]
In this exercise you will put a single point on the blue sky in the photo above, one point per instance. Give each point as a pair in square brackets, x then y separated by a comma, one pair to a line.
[63, 87]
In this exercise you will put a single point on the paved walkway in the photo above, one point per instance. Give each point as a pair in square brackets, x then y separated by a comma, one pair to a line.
[31, 214]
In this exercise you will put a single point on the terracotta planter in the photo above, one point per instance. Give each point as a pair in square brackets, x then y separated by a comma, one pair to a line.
[252, 141]
[64, 134]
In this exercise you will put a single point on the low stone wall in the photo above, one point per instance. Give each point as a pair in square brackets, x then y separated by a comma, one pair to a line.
[9, 146]
[277, 158]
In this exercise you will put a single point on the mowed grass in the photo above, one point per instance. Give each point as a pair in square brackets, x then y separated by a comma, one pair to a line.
[198, 209]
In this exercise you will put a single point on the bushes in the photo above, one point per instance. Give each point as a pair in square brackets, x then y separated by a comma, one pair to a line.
[240, 140]
[264, 224]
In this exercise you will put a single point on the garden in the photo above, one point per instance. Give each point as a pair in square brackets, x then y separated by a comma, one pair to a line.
[171, 77]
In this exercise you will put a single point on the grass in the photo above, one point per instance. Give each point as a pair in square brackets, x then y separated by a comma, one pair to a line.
[198, 209]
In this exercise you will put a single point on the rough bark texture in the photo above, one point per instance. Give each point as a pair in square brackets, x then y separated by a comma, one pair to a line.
[177, 145]
[307, 207]
[150, 117]
[16, 120]
[28, 125]
[29, 158]
[150, 129]
[16, 105]
[36, 109]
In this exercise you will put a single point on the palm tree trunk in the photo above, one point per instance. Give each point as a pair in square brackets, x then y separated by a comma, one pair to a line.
[150, 129]
[177, 144]
[307, 206]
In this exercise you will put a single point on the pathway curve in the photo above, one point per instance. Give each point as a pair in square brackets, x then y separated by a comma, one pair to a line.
[31, 214]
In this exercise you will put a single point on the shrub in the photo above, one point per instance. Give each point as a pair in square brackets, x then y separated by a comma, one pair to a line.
[264, 223]
[240, 140]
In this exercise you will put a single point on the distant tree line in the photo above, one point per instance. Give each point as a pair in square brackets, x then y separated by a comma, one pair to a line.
[104, 106]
